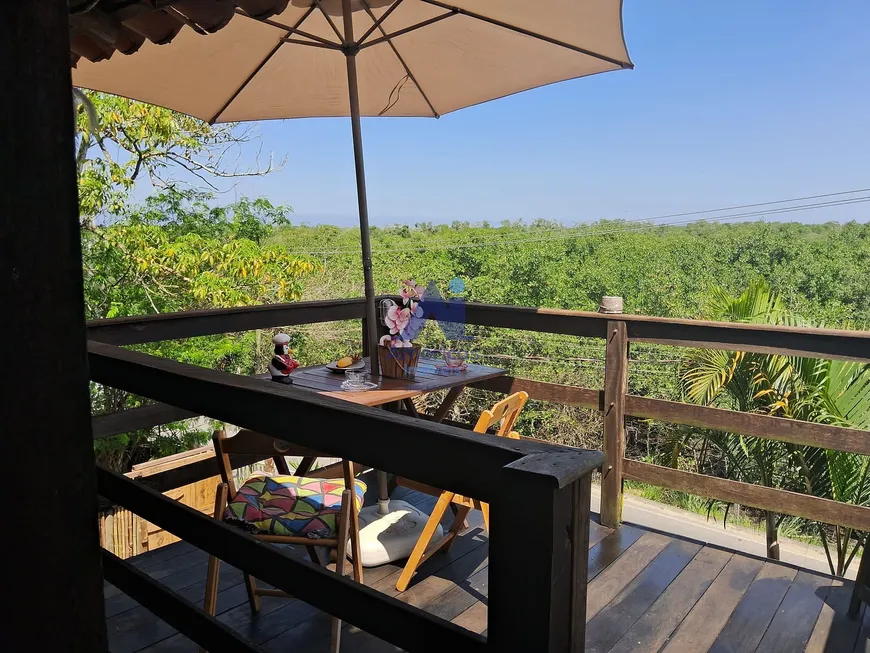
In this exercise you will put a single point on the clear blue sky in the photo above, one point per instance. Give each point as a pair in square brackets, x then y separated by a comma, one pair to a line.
[731, 102]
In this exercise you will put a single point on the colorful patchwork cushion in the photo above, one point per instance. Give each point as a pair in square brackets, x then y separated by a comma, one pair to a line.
[295, 506]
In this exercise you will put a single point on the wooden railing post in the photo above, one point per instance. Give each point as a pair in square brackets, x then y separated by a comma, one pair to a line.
[53, 580]
[615, 389]
[537, 583]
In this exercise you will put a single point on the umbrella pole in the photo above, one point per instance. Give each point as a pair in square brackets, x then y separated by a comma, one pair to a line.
[365, 240]
[350, 51]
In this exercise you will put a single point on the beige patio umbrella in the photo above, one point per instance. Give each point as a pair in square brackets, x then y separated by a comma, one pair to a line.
[240, 60]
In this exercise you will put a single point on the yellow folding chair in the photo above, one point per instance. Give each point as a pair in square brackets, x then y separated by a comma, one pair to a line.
[506, 411]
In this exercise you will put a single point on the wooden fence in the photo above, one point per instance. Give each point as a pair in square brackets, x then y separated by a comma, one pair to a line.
[126, 534]
[616, 404]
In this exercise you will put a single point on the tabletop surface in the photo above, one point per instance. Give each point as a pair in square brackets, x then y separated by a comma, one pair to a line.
[323, 381]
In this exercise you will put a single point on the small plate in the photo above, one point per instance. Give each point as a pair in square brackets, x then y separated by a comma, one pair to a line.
[368, 385]
[353, 367]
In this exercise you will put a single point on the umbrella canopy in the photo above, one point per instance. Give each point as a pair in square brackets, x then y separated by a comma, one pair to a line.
[415, 57]
[263, 59]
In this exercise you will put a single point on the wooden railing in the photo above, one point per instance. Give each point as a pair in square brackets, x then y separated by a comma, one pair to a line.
[244, 402]
[507, 473]
[613, 400]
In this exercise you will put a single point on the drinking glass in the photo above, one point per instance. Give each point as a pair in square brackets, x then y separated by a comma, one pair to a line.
[356, 378]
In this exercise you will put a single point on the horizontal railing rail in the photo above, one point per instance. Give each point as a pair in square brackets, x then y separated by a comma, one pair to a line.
[300, 416]
[506, 473]
[768, 339]
[749, 494]
[793, 431]
[134, 419]
[189, 324]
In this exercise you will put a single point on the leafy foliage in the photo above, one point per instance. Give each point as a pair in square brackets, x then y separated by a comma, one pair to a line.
[132, 138]
[831, 392]
[178, 250]
[179, 253]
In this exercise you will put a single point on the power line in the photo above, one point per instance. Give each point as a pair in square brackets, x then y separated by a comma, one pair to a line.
[591, 232]
[750, 206]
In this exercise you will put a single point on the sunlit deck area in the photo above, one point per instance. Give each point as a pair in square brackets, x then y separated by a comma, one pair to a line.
[647, 592]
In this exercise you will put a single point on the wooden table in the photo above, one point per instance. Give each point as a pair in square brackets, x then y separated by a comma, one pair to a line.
[389, 391]
[392, 391]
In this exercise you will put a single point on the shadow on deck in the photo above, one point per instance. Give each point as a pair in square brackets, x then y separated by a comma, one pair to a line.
[648, 592]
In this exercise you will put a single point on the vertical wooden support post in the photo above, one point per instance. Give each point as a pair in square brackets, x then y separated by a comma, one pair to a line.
[582, 490]
[54, 577]
[615, 387]
[537, 597]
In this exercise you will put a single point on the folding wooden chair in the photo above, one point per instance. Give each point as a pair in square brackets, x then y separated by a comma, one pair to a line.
[314, 509]
[506, 411]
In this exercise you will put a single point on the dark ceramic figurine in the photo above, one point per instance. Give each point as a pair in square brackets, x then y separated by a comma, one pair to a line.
[282, 363]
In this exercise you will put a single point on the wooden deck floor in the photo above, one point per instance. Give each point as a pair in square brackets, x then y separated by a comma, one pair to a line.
[648, 592]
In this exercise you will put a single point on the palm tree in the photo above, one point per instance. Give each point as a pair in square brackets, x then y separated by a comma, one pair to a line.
[830, 392]
[834, 392]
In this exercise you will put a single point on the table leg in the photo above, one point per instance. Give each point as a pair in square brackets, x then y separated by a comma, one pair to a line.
[410, 407]
[449, 400]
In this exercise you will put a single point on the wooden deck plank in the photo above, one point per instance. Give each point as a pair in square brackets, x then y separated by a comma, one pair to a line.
[706, 619]
[176, 581]
[313, 633]
[750, 619]
[611, 547]
[282, 621]
[453, 603]
[432, 583]
[610, 582]
[597, 532]
[833, 630]
[135, 628]
[232, 606]
[607, 627]
[130, 619]
[149, 559]
[474, 618]
[465, 594]
[428, 589]
[648, 593]
[793, 623]
[289, 615]
[240, 618]
[163, 566]
[651, 631]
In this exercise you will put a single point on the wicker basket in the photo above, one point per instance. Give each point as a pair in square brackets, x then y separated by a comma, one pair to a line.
[399, 362]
